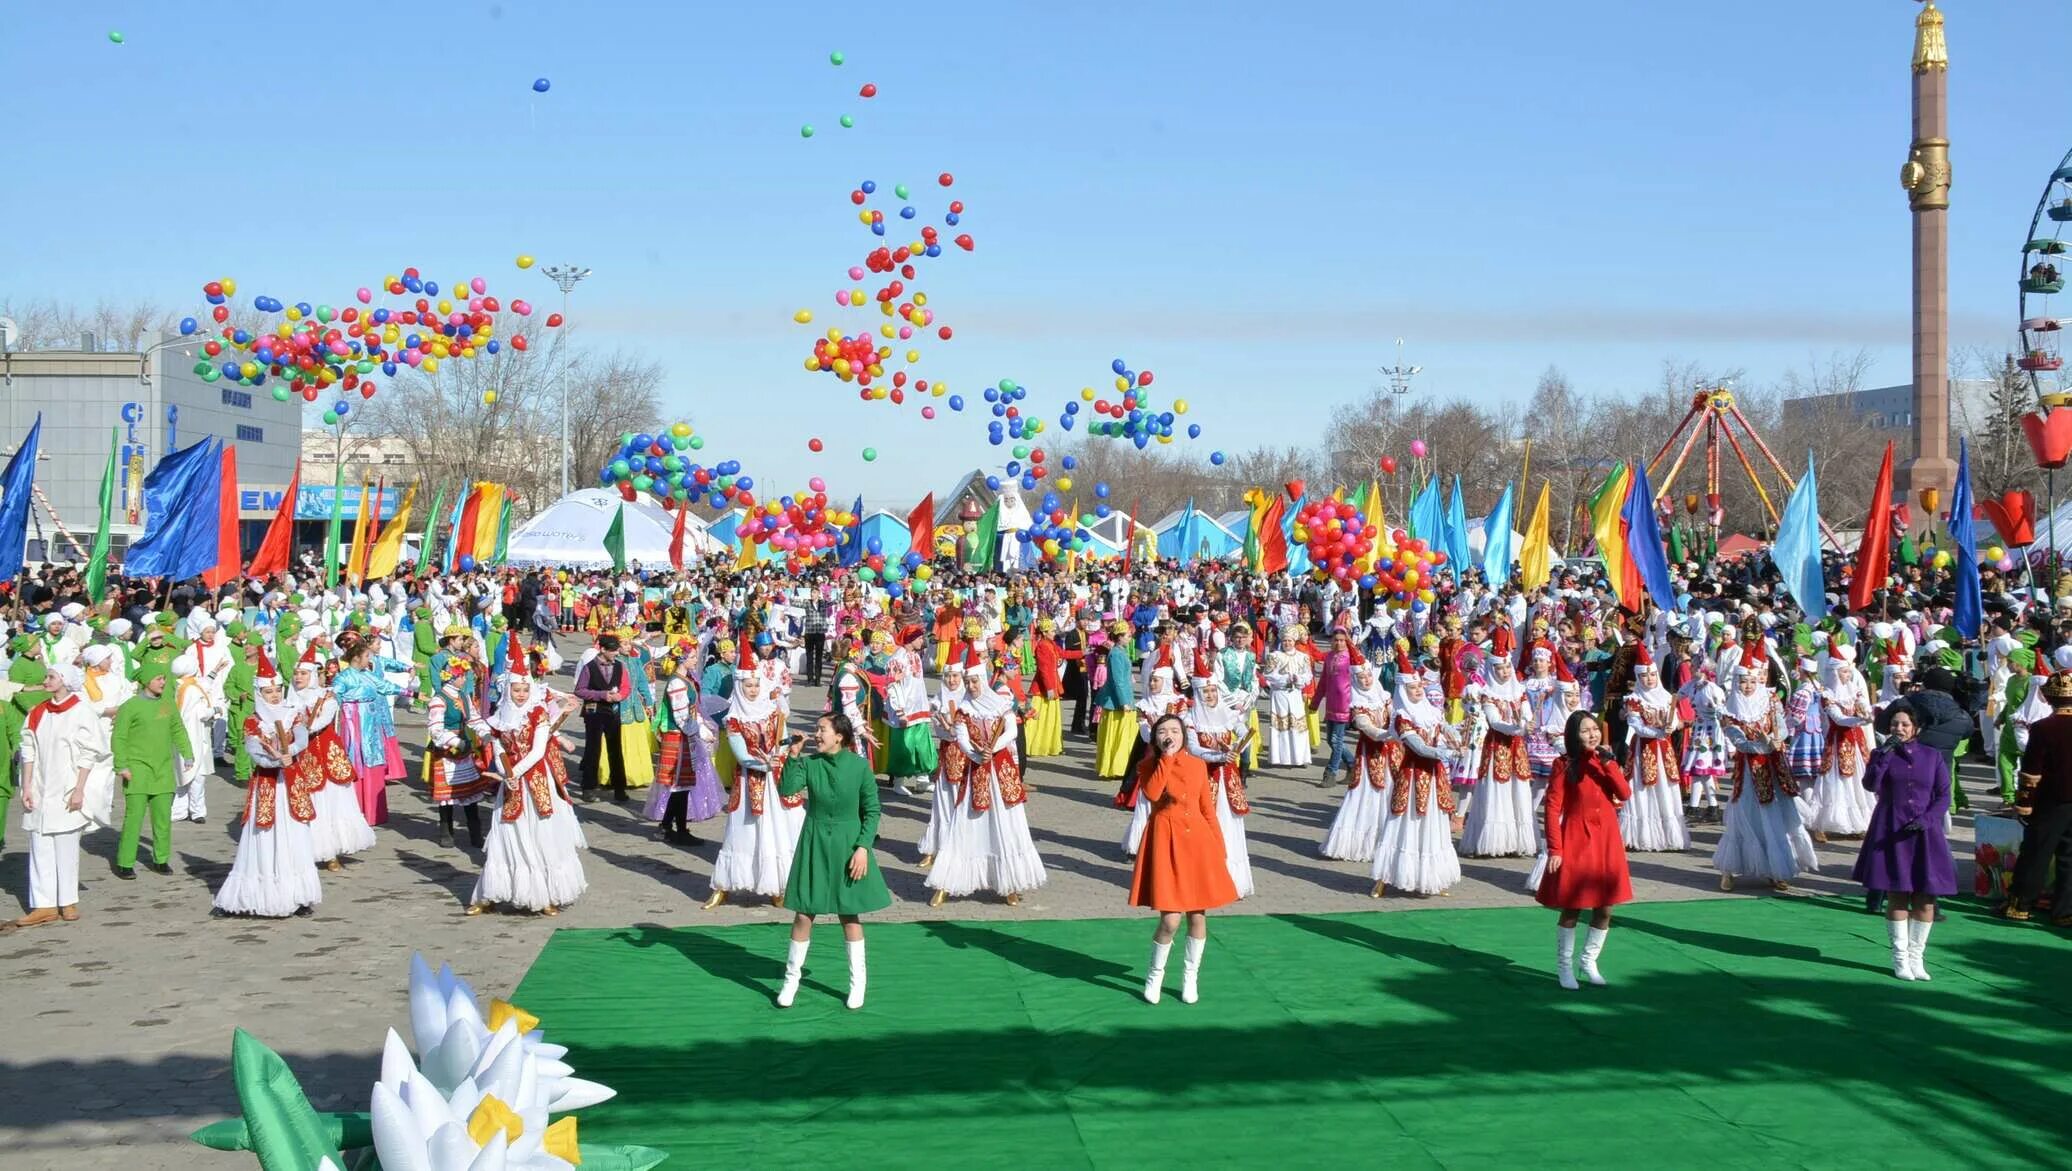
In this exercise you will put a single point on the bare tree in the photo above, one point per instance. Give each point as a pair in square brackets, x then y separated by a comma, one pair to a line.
[47, 324]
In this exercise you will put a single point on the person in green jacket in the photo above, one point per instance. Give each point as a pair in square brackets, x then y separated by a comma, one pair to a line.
[20, 694]
[833, 871]
[424, 643]
[145, 725]
[237, 696]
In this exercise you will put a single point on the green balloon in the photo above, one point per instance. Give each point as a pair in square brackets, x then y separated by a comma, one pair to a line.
[330, 418]
[1006, 385]
[900, 190]
[117, 38]
[280, 394]
[323, 313]
[621, 469]
[805, 132]
[870, 454]
[643, 483]
[365, 366]
[697, 442]
[835, 58]
[867, 573]
[671, 463]
[847, 122]
[1021, 451]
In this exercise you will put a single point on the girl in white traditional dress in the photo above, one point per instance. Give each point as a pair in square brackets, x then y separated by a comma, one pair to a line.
[951, 765]
[762, 826]
[1415, 850]
[1764, 838]
[275, 872]
[530, 862]
[1500, 817]
[1160, 699]
[1653, 818]
[986, 844]
[1287, 674]
[1838, 803]
[1216, 733]
[340, 829]
[1357, 826]
[1706, 755]
[1805, 714]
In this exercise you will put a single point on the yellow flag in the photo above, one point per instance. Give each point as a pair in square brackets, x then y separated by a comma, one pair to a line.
[489, 516]
[388, 548]
[1606, 523]
[1535, 561]
[1377, 524]
[744, 558]
[356, 563]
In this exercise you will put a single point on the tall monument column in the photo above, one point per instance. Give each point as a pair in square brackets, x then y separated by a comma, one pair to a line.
[1926, 177]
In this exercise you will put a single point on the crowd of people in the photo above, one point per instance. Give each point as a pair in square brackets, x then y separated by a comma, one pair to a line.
[1495, 722]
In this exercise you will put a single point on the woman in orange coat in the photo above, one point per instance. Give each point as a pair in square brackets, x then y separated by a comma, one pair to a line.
[1180, 868]
[1586, 855]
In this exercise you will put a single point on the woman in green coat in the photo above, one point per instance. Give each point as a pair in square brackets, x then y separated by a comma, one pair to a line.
[833, 871]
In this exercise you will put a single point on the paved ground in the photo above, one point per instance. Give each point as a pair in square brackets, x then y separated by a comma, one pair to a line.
[115, 1030]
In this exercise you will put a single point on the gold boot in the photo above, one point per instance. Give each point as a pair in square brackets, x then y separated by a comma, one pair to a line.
[718, 897]
[1014, 900]
[551, 910]
[927, 860]
[334, 866]
[475, 909]
[1380, 888]
[778, 902]
[938, 898]
[1726, 882]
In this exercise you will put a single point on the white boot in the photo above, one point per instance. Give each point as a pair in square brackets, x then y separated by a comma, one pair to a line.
[1593, 945]
[1917, 945]
[794, 967]
[856, 973]
[1190, 970]
[1902, 957]
[1565, 957]
[1155, 978]
[907, 786]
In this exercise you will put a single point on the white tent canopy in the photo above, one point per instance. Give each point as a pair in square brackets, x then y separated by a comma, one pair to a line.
[570, 532]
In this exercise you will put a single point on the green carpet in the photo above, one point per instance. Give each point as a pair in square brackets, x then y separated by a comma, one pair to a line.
[1735, 1033]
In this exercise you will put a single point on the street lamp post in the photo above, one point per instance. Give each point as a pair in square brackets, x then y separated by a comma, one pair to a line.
[565, 276]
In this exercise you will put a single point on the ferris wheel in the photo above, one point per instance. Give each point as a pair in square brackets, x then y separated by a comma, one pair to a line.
[2043, 278]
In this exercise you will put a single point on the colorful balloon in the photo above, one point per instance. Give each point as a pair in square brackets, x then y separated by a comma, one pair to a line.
[541, 85]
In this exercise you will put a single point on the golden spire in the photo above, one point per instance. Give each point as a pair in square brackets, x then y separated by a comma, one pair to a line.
[1930, 51]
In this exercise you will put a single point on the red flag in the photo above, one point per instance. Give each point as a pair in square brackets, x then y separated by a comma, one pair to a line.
[921, 528]
[683, 512]
[464, 533]
[1874, 551]
[1129, 540]
[272, 556]
[228, 555]
[1273, 543]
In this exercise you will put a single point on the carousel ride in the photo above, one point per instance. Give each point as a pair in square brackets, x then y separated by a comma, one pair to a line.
[1713, 417]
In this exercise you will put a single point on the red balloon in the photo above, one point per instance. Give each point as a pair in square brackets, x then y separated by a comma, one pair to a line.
[943, 333]
[212, 289]
[212, 348]
[945, 178]
[222, 313]
[868, 91]
[956, 208]
[1388, 465]
[367, 391]
[964, 242]
[856, 197]
[553, 319]
[1144, 378]
[518, 341]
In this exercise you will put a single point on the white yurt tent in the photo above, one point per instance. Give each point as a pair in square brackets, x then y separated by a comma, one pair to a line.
[570, 532]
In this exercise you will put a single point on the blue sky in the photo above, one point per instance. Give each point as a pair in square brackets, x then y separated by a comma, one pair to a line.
[1251, 200]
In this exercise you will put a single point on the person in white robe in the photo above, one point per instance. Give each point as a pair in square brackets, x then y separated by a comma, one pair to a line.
[986, 844]
[64, 749]
[274, 874]
[531, 861]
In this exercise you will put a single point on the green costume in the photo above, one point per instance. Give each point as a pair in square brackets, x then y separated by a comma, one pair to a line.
[841, 816]
[237, 701]
[424, 643]
[286, 651]
[26, 676]
[143, 742]
[2007, 760]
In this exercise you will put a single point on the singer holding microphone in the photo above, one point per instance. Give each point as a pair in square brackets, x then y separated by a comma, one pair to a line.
[833, 871]
[1586, 856]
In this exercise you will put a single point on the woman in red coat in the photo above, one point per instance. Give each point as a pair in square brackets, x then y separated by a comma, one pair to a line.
[1180, 868]
[1586, 856]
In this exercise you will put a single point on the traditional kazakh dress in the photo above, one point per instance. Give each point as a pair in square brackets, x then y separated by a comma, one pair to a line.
[1240, 670]
[910, 734]
[1116, 738]
[456, 747]
[688, 739]
[1499, 822]
[530, 859]
[368, 729]
[275, 872]
[1213, 733]
[1357, 827]
[1415, 850]
[1287, 742]
[1837, 802]
[1707, 756]
[636, 725]
[1652, 819]
[985, 844]
[952, 766]
[340, 828]
[1763, 838]
[762, 827]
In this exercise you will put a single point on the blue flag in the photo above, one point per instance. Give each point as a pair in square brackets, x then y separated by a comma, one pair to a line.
[1298, 553]
[1970, 608]
[1644, 541]
[1181, 542]
[194, 549]
[1497, 553]
[849, 546]
[17, 486]
[1428, 514]
[1456, 533]
[167, 488]
[1797, 551]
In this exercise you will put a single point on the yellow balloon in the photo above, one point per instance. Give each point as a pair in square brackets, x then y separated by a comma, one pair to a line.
[1064, 483]
[920, 298]
[445, 306]
[524, 261]
[938, 389]
[1179, 406]
[1995, 552]
[888, 331]
[913, 355]
[1165, 439]
[293, 314]
[803, 317]
[1122, 385]
[249, 369]
[812, 363]
[887, 308]
[282, 330]
[431, 365]
[834, 335]
[489, 396]
[1086, 394]
[924, 572]
[229, 287]
[772, 507]
[842, 367]
[467, 351]
[856, 297]
[1426, 596]
[864, 216]
[390, 335]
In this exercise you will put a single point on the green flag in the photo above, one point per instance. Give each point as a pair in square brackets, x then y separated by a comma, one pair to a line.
[984, 538]
[615, 540]
[97, 566]
[331, 539]
[503, 532]
[1676, 543]
[431, 528]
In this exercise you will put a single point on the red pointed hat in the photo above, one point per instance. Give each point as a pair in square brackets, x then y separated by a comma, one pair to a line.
[264, 669]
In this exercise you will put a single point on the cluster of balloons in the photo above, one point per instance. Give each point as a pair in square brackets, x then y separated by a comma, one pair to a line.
[1404, 571]
[1009, 422]
[1336, 535]
[1035, 469]
[311, 349]
[1131, 417]
[801, 526]
[1054, 532]
[656, 464]
[1999, 559]
[862, 357]
[1398, 567]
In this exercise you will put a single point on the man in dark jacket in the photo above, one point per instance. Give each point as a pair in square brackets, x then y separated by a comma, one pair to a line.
[2044, 805]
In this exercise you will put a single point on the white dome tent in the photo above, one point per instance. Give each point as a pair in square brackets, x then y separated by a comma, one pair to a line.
[570, 532]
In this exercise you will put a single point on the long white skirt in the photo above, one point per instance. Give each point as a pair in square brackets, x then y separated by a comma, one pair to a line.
[1653, 820]
[1140, 820]
[1766, 842]
[340, 828]
[1415, 852]
[1539, 835]
[1836, 804]
[275, 873]
[755, 855]
[1236, 858]
[1358, 824]
[1499, 822]
[1290, 745]
[990, 851]
[531, 863]
[942, 801]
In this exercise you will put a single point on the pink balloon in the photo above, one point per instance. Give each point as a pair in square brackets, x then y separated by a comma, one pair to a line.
[364, 295]
[817, 484]
[479, 285]
[855, 273]
[905, 332]
[522, 308]
[928, 412]
[1418, 448]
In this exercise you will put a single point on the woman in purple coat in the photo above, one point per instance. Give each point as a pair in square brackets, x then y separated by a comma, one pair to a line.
[1906, 852]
